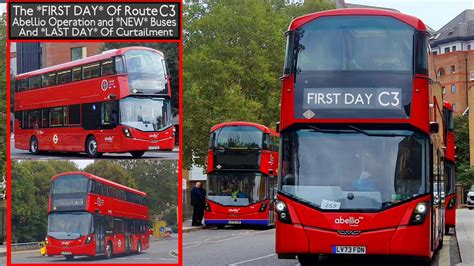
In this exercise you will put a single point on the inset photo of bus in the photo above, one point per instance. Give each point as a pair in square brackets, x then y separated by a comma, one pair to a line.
[94, 99]
[102, 211]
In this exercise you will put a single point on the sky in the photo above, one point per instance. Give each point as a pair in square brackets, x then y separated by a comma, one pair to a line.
[434, 13]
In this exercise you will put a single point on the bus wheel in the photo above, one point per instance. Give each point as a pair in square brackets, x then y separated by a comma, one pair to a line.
[139, 247]
[308, 259]
[34, 145]
[92, 147]
[69, 257]
[108, 250]
[137, 154]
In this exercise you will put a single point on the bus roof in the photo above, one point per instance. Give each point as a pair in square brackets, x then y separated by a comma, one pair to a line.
[240, 123]
[91, 59]
[102, 180]
[412, 21]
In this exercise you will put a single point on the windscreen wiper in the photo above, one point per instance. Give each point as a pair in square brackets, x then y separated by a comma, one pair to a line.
[376, 134]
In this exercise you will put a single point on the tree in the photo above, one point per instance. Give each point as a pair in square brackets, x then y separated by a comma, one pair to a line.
[112, 171]
[170, 50]
[30, 188]
[233, 56]
[465, 173]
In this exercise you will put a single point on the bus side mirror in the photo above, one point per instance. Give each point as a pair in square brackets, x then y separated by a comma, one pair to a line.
[434, 127]
[277, 126]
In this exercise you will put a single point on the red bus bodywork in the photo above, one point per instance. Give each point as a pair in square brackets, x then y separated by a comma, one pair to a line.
[312, 231]
[451, 204]
[104, 88]
[122, 240]
[258, 213]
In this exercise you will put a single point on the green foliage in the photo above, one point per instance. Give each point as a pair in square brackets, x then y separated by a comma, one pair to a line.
[31, 181]
[233, 56]
[461, 129]
[170, 50]
[30, 189]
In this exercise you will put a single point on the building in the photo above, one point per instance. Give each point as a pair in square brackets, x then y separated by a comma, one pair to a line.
[452, 59]
[25, 56]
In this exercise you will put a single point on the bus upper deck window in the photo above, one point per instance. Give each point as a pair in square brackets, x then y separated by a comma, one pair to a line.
[119, 66]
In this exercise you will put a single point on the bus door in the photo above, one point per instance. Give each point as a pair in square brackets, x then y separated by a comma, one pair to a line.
[99, 227]
[128, 235]
[119, 236]
[437, 205]
[271, 194]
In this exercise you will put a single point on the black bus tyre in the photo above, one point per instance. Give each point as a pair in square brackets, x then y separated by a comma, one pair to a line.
[69, 257]
[139, 247]
[308, 259]
[92, 147]
[137, 154]
[108, 250]
[34, 146]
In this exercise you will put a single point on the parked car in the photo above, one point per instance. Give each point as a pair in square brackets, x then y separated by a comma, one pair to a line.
[470, 198]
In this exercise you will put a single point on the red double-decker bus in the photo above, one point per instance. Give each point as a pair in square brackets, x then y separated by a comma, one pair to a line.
[89, 216]
[241, 174]
[450, 166]
[117, 101]
[361, 165]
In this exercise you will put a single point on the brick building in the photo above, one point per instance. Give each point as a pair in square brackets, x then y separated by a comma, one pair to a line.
[452, 59]
[25, 57]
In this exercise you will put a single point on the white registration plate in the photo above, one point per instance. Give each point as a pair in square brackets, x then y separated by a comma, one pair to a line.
[66, 253]
[154, 147]
[349, 249]
[234, 222]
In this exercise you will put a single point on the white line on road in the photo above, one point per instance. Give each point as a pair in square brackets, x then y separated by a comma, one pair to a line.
[250, 260]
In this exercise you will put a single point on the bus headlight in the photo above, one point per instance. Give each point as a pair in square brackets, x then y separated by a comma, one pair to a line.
[208, 208]
[126, 131]
[451, 203]
[282, 212]
[263, 207]
[419, 214]
[88, 239]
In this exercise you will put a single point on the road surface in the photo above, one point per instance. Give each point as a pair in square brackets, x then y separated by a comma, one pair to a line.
[232, 246]
[162, 252]
[23, 154]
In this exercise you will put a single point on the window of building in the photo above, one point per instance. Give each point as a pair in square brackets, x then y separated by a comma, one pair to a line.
[453, 69]
[435, 52]
[78, 53]
[454, 107]
[443, 90]
[454, 48]
[446, 50]
[468, 47]
[441, 72]
[453, 88]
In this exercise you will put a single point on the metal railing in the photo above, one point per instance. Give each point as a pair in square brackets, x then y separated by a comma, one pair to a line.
[25, 246]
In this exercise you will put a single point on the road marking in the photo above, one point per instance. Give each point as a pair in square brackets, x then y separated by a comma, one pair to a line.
[221, 239]
[250, 260]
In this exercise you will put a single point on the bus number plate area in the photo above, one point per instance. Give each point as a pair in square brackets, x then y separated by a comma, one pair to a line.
[66, 253]
[349, 250]
[153, 147]
[234, 222]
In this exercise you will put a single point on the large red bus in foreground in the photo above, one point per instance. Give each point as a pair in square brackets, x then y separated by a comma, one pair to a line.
[361, 165]
[116, 101]
[241, 174]
[450, 166]
[89, 216]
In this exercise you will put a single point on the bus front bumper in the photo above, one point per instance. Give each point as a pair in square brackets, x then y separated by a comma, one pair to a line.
[79, 250]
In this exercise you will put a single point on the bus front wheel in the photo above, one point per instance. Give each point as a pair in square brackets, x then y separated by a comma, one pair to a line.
[34, 147]
[137, 154]
[92, 147]
[69, 257]
[308, 259]
[108, 250]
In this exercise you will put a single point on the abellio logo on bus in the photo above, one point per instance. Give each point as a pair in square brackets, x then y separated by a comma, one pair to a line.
[352, 221]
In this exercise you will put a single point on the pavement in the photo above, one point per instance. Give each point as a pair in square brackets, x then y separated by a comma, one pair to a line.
[23, 154]
[188, 228]
[465, 235]
[160, 252]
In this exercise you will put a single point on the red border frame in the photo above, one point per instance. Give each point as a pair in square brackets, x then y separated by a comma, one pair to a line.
[180, 112]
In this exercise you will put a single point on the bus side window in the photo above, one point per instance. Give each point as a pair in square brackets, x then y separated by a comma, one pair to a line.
[76, 73]
[107, 67]
[109, 113]
[119, 66]
[45, 118]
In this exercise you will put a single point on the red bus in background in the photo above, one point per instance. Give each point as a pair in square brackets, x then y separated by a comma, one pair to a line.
[241, 174]
[450, 166]
[361, 160]
[117, 101]
[89, 216]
